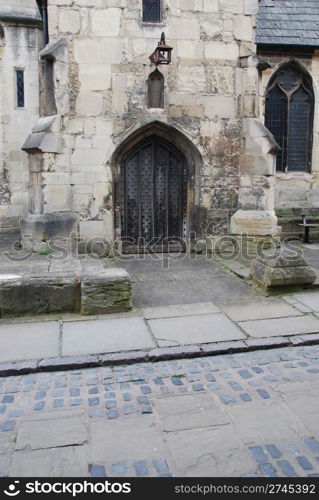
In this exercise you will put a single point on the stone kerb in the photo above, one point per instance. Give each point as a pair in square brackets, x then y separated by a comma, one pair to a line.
[106, 291]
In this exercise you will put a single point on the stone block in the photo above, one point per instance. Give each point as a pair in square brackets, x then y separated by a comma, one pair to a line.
[275, 327]
[283, 270]
[68, 461]
[89, 104]
[67, 363]
[189, 411]
[191, 79]
[224, 347]
[112, 50]
[69, 21]
[189, 49]
[222, 80]
[111, 335]
[234, 6]
[95, 77]
[56, 197]
[218, 106]
[106, 22]
[106, 292]
[164, 353]
[183, 28]
[223, 52]
[34, 435]
[36, 229]
[46, 294]
[124, 358]
[254, 222]
[243, 29]
[88, 51]
[91, 229]
[250, 7]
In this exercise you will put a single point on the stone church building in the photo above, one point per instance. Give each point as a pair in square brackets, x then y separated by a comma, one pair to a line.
[217, 136]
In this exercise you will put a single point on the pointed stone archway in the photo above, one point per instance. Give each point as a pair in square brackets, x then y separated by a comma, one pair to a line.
[156, 189]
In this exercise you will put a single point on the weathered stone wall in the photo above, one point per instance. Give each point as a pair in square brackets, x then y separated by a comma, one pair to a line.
[101, 95]
[296, 189]
[19, 43]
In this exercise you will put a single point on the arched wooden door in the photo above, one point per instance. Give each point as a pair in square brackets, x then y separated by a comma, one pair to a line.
[153, 197]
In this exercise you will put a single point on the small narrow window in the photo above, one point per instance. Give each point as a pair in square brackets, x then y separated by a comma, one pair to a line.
[155, 84]
[152, 11]
[20, 88]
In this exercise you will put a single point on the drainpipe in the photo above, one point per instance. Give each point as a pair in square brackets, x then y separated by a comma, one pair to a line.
[43, 6]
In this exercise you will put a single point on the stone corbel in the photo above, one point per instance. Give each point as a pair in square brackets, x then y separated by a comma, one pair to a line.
[260, 149]
[56, 50]
[45, 136]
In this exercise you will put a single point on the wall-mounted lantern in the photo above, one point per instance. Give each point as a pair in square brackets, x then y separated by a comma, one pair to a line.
[163, 53]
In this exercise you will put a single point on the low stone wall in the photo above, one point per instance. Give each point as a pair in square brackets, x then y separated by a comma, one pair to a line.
[46, 294]
[104, 292]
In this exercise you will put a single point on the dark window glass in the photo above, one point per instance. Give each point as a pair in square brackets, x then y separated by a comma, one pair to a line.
[20, 89]
[152, 11]
[289, 116]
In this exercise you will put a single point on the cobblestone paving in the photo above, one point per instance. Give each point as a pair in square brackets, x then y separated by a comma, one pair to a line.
[267, 399]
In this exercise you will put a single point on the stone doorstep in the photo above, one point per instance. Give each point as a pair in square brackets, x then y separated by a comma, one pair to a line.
[155, 354]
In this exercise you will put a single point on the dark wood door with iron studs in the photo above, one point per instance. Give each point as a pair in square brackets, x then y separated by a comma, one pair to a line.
[153, 198]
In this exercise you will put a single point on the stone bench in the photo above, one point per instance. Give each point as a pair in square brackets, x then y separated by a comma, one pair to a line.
[44, 294]
[94, 292]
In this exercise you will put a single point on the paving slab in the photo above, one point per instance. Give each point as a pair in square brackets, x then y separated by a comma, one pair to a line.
[4, 465]
[131, 436]
[29, 341]
[180, 310]
[103, 336]
[214, 452]
[187, 291]
[281, 326]
[259, 310]
[189, 411]
[70, 461]
[261, 423]
[309, 299]
[194, 330]
[303, 399]
[51, 433]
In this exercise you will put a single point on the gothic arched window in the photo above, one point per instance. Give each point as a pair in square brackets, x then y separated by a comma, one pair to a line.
[289, 116]
[152, 11]
[155, 84]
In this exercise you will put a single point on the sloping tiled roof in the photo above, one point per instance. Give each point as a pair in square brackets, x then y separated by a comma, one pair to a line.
[288, 22]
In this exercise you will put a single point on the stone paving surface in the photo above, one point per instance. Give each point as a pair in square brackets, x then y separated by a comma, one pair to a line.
[247, 414]
[148, 330]
[185, 279]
